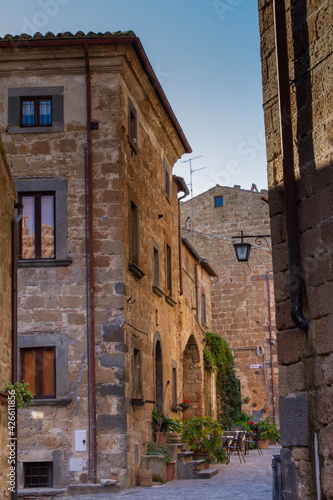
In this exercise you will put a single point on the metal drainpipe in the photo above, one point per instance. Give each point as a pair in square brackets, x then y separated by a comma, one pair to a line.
[15, 225]
[270, 341]
[180, 247]
[290, 199]
[197, 288]
[91, 297]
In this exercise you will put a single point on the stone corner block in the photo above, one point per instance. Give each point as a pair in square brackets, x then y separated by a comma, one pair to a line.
[294, 420]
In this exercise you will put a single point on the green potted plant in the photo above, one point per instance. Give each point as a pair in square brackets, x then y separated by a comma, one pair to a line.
[161, 424]
[246, 400]
[203, 435]
[268, 432]
[22, 394]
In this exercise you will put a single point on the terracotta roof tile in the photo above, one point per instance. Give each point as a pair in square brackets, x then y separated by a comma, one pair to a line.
[66, 35]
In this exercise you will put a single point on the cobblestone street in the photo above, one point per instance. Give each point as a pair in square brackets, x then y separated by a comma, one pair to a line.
[235, 481]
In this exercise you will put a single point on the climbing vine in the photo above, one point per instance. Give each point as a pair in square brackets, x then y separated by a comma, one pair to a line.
[219, 359]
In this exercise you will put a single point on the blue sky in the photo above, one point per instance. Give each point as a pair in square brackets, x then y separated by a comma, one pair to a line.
[206, 56]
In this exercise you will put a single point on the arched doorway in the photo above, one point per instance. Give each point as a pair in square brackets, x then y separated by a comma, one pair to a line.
[193, 379]
[158, 376]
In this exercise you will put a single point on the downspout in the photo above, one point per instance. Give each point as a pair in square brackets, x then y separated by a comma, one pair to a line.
[182, 187]
[197, 289]
[15, 232]
[91, 297]
[290, 199]
[270, 342]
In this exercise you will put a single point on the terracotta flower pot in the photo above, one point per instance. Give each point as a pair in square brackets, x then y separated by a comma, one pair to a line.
[162, 438]
[170, 470]
[4, 398]
[263, 444]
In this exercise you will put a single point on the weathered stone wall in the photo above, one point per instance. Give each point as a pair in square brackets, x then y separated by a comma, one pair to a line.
[7, 200]
[240, 312]
[306, 359]
[129, 315]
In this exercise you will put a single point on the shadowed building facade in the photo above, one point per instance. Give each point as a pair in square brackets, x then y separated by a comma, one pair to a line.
[105, 331]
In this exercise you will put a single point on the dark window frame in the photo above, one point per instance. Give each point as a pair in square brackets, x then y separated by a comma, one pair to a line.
[168, 268]
[167, 181]
[134, 236]
[39, 370]
[60, 342]
[203, 307]
[14, 109]
[38, 224]
[132, 126]
[137, 373]
[215, 201]
[59, 187]
[31, 469]
[36, 101]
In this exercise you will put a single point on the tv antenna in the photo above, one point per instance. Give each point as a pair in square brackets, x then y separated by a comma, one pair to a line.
[191, 177]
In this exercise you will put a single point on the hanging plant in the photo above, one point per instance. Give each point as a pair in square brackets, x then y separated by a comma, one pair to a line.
[219, 359]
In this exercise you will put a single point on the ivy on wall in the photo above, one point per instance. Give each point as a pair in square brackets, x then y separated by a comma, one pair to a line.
[219, 359]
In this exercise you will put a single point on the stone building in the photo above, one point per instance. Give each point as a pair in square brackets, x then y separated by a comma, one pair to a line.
[299, 115]
[243, 297]
[105, 331]
[7, 200]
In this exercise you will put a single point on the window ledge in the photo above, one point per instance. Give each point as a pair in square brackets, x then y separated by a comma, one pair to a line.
[158, 291]
[136, 271]
[138, 401]
[205, 325]
[35, 130]
[176, 408]
[170, 301]
[44, 262]
[52, 402]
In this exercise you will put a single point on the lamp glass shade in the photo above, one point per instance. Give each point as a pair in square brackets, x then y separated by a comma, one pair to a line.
[242, 251]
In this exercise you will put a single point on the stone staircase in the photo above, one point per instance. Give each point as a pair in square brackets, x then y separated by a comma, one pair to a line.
[186, 466]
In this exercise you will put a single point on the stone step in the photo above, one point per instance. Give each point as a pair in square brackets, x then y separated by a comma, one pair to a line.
[185, 456]
[189, 469]
[85, 489]
[198, 465]
[206, 473]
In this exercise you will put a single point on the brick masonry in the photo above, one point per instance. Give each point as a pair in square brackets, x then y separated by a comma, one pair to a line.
[305, 359]
[129, 315]
[240, 296]
[7, 200]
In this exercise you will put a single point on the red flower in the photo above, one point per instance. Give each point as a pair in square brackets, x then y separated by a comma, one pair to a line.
[186, 401]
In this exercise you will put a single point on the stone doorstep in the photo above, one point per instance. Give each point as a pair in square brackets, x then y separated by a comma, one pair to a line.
[72, 489]
[41, 492]
[185, 456]
[206, 473]
[86, 489]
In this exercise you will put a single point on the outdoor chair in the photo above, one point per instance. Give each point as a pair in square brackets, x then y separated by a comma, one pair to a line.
[236, 445]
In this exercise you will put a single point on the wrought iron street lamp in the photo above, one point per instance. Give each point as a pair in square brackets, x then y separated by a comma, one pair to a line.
[242, 249]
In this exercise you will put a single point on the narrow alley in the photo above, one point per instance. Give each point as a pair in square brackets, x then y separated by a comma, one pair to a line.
[235, 481]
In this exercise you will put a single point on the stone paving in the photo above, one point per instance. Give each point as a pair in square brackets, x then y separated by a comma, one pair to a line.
[235, 481]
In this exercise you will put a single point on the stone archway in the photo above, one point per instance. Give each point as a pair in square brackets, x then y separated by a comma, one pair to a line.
[193, 379]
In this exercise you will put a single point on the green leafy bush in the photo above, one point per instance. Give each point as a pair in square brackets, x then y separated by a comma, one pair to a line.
[22, 394]
[203, 435]
[218, 358]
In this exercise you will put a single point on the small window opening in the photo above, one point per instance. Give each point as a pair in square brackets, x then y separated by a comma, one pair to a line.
[38, 474]
[218, 201]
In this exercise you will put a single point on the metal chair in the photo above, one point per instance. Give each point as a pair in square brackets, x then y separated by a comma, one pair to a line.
[237, 446]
